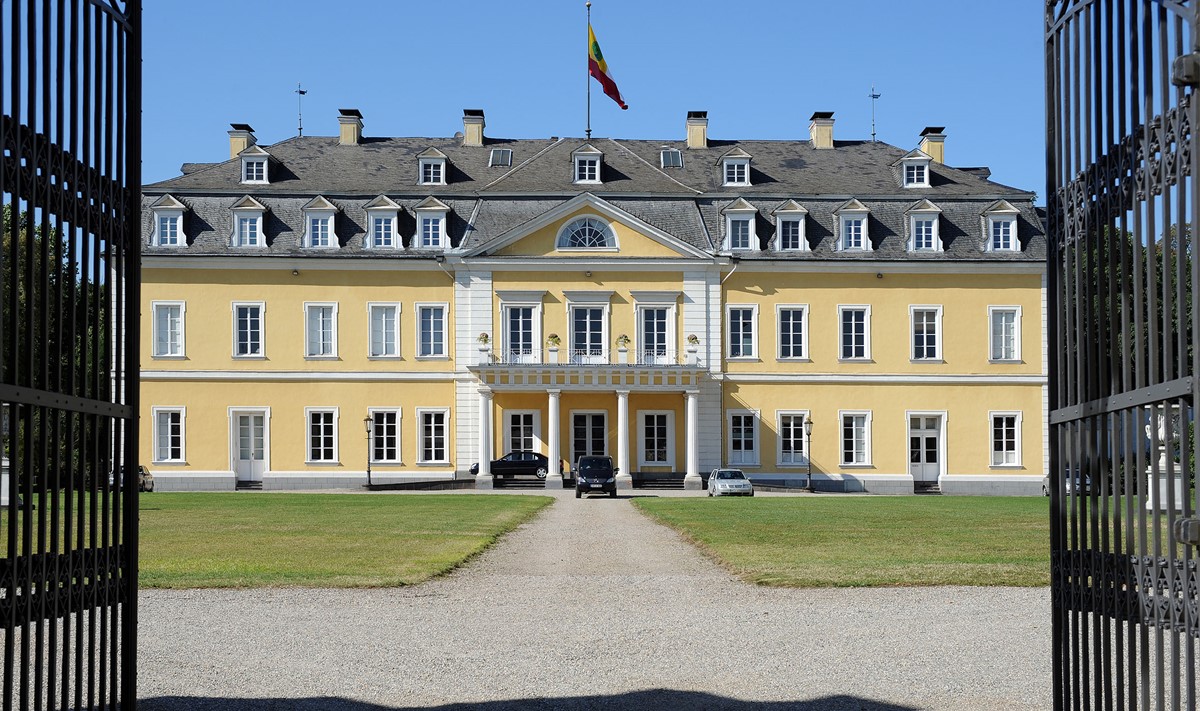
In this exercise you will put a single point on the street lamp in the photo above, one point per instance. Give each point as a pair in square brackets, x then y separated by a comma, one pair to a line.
[367, 422]
[808, 449]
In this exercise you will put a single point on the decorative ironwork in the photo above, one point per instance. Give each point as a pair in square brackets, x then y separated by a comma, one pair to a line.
[70, 156]
[1122, 324]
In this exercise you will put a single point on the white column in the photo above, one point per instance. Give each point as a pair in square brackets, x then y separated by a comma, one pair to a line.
[554, 479]
[692, 480]
[483, 479]
[625, 476]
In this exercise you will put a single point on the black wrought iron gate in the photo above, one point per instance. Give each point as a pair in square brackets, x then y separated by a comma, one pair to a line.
[70, 175]
[1122, 306]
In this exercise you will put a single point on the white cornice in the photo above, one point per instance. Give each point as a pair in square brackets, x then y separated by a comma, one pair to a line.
[294, 375]
[887, 378]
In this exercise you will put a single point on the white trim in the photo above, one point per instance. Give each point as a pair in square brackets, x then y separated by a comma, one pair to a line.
[573, 303]
[422, 162]
[578, 159]
[749, 215]
[231, 414]
[439, 216]
[1020, 417]
[154, 330]
[804, 417]
[155, 458]
[156, 234]
[564, 228]
[333, 333]
[943, 416]
[446, 334]
[922, 163]
[399, 435]
[327, 215]
[991, 331]
[535, 356]
[420, 416]
[886, 378]
[867, 444]
[308, 448]
[641, 438]
[726, 163]
[938, 334]
[757, 420]
[921, 215]
[384, 213]
[800, 219]
[262, 330]
[866, 356]
[806, 355]
[640, 309]
[754, 339]
[371, 306]
[303, 375]
[266, 169]
[538, 441]
[254, 214]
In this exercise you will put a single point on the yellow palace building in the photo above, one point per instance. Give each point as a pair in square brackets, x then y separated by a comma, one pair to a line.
[679, 305]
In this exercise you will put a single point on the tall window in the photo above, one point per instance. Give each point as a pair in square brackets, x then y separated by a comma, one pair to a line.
[655, 335]
[791, 439]
[854, 233]
[655, 431]
[248, 330]
[855, 438]
[923, 234]
[587, 333]
[521, 435]
[855, 332]
[741, 332]
[168, 435]
[790, 234]
[791, 332]
[168, 329]
[431, 232]
[384, 327]
[385, 436]
[322, 436]
[321, 327]
[739, 233]
[737, 172]
[432, 335]
[319, 232]
[432, 436]
[1003, 237]
[587, 170]
[1005, 333]
[519, 341]
[743, 438]
[247, 234]
[168, 230]
[383, 232]
[1006, 434]
[925, 342]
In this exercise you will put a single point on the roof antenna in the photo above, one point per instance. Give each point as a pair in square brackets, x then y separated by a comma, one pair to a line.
[873, 95]
[299, 112]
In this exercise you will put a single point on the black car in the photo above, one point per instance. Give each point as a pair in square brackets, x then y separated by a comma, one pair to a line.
[594, 473]
[520, 463]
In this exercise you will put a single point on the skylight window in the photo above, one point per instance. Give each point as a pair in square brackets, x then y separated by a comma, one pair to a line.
[672, 158]
[500, 158]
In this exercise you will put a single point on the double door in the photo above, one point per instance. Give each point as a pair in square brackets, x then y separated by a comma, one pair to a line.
[249, 445]
[924, 447]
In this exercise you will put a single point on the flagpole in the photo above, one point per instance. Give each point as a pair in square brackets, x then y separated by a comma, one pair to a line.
[588, 74]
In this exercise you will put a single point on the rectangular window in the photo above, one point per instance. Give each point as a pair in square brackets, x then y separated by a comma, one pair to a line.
[855, 332]
[923, 240]
[385, 436]
[739, 233]
[587, 334]
[587, 170]
[791, 439]
[521, 434]
[672, 158]
[736, 172]
[1005, 333]
[914, 174]
[741, 331]
[743, 438]
[247, 330]
[431, 173]
[791, 332]
[1002, 235]
[168, 435]
[432, 436]
[431, 232]
[519, 334]
[321, 328]
[247, 232]
[254, 171]
[385, 324]
[789, 234]
[168, 231]
[500, 158]
[925, 342]
[319, 231]
[168, 329]
[432, 335]
[655, 335]
[322, 435]
[655, 431]
[383, 233]
[853, 233]
[856, 438]
[1006, 436]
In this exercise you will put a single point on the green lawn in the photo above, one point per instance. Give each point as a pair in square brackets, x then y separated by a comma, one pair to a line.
[868, 541]
[198, 540]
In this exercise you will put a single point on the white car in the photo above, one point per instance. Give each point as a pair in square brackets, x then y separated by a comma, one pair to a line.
[729, 482]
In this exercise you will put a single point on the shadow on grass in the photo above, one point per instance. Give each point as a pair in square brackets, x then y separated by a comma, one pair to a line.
[657, 699]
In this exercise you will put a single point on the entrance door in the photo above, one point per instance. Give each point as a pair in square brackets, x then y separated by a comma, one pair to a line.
[250, 431]
[522, 435]
[588, 434]
[924, 445]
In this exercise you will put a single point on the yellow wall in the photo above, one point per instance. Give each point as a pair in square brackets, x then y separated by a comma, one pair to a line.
[542, 242]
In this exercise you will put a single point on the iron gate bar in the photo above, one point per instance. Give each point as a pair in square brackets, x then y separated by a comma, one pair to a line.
[1180, 387]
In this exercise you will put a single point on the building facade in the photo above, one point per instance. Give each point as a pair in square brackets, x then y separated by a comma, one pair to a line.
[679, 305]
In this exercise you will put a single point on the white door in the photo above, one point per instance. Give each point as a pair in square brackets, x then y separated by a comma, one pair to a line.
[250, 438]
[588, 435]
[924, 447]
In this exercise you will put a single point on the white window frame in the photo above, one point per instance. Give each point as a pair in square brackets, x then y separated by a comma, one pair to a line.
[371, 306]
[748, 216]
[168, 355]
[308, 448]
[992, 311]
[565, 231]
[842, 308]
[537, 429]
[262, 329]
[755, 458]
[420, 418]
[939, 333]
[641, 438]
[493, 163]
[256, 216]
[419, 238]
[930, 216]
[580, 159]
[804, 416]
[846, 216]
[728, 163]
[156, 238]
[943, 417]
[535, 331]
[327, 215]
[662, 162]
[799, 221]
[991, 423]
[391, 217]
[842, 415]
[754, 340]
[322, 356]
[779, 309]
[445, 307]
[399, 459]
[158, 458]
[439, 163]
[996, 219]
[639, 348]
[605, 325]
[923, 165]
[261, 160]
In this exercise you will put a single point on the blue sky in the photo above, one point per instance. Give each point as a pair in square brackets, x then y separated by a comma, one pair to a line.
[760, 68]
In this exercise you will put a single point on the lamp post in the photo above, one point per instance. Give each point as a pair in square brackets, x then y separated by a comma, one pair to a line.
[367, 422]
[808, 423]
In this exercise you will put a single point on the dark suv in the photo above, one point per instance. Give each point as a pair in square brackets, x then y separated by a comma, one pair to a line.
[595, 474]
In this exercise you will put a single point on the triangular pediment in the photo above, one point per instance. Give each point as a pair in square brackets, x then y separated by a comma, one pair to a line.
[636, 237]
[167, 202]
[248, 203]
[252, 151]
[923, 206]
[1001, 207]
[383, 202]
[432, 203]
[851, 205]
[914, 154]
[587, 149]
[431, 152]
[736, 153]
[790, 207]
[319, 203]
[740, 205]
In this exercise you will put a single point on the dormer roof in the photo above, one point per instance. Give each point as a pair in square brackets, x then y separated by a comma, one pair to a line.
[791, 207]
[736, 153]
[431, 152]
[851, 205]
[1000, 206]
[432, 203]
[587, 148]
[383, 202]
[248, 203]
[167, 202]
[319, 203]
[923, 206]
[914, 154]
[252, 151]
[740, 205]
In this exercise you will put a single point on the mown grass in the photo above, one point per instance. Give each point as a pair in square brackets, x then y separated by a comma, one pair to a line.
[866, 541]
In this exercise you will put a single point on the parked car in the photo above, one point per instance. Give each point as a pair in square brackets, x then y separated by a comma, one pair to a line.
[729, 482]
[1072, 485]
[145, 478]
[594, 473]
[520, 463]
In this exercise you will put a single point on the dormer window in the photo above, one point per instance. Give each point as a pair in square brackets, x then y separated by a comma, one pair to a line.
[789, 227]
[914, 169]
[853, 227]
[588, 232]
[500, 158]
[735, 167]
[740, 222]
[671, 158]
[248, 224]
[1000, 228]
[168, 222]
[431, 167]
[254, 166]
[923, 227]
[382, 213]
[587, 164]
[319, 230]
[431, 224]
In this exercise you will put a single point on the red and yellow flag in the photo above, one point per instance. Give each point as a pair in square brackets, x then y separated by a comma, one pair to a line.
[598, 68]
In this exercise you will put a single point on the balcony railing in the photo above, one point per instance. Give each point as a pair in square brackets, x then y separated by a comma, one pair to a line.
[593, 356]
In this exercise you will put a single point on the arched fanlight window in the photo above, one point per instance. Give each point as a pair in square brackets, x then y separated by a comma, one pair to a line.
[586, 233]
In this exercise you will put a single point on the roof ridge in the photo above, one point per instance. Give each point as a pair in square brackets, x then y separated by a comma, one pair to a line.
[651, 165]
[524, 163]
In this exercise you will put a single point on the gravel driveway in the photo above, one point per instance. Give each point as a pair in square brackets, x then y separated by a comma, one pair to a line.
[592, 605]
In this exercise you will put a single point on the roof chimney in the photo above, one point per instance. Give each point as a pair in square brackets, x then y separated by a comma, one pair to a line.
[697, 129]
[473, 125]
[820, 130]
[933, 143]
[240, 138]
[350, 125]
